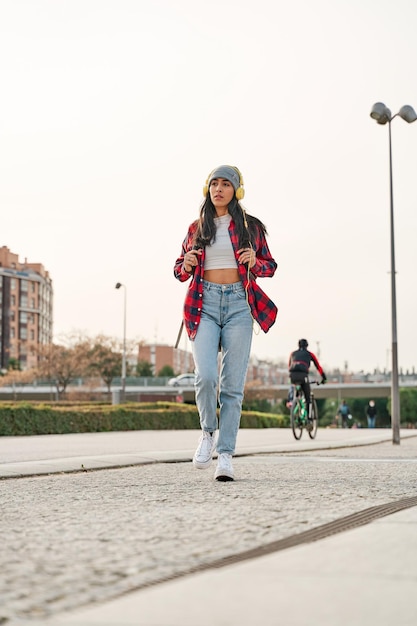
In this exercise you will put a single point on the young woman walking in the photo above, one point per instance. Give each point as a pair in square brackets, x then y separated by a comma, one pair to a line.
[223, 254]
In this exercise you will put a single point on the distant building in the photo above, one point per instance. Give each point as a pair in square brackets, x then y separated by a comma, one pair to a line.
[266, 372]
[26, 299]
[182, 362]
[159, 355]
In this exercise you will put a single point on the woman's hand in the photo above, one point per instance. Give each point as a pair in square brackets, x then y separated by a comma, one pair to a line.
[247, 255]
[191, 259]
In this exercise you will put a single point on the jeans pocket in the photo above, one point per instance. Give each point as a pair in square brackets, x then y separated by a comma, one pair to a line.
[241, 294]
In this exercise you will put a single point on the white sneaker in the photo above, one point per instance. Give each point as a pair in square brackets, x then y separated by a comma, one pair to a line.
[204, 454]
[224, 469]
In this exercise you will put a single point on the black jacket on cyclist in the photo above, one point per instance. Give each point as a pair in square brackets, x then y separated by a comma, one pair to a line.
[299, 365]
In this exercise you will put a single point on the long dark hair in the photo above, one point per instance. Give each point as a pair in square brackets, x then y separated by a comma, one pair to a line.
[247, 226]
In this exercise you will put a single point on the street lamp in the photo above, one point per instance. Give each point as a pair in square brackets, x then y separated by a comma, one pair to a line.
[118, 285]
[382, 115]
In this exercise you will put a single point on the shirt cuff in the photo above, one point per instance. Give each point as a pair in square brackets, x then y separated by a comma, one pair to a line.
[257, 268]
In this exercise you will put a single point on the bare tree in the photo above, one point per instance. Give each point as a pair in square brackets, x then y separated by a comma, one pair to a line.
[62, 364]
[76, 355]
[17, 377]
[105, 359]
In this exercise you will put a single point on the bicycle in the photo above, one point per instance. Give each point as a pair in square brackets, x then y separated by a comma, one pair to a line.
[299, 418]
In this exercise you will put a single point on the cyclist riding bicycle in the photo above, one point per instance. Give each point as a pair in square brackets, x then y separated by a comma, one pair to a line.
[299, 365]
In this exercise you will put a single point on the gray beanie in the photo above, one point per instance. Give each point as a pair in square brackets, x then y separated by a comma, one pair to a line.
[228, 172]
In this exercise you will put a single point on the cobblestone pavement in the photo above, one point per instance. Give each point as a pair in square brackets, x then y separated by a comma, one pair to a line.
[69, 540]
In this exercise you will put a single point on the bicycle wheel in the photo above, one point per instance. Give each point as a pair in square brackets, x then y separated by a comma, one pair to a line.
[296, 421]
[312, 425]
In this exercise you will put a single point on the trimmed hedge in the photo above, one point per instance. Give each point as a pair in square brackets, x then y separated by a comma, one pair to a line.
[22, 418]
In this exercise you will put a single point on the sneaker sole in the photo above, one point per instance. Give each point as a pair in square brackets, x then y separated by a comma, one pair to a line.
[224, 479]
[200, 465]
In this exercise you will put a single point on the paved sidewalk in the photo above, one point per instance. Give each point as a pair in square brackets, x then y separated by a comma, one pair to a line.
[365, 576]
[49, 454]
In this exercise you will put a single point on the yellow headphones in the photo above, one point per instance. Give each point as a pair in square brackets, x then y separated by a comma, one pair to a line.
[240, 191]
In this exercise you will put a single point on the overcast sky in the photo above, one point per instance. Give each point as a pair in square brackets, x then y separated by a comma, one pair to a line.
[113, 112]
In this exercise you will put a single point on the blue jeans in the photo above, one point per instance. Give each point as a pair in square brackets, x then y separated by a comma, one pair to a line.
[226, 321]
[371, 422]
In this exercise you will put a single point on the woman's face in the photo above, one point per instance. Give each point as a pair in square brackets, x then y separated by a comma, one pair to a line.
[221, 194]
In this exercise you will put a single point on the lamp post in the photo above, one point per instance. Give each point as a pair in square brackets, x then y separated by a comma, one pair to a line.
[118, 285]
[382, 115]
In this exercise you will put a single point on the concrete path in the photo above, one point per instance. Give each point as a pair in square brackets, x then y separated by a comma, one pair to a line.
[45, 454]
[79, 543]
[363, 577]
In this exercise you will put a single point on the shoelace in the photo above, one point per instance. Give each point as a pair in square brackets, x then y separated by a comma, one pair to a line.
[206, 443]
[224, 461]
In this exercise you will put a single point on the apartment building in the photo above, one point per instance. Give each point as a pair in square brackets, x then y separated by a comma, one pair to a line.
[26, 305]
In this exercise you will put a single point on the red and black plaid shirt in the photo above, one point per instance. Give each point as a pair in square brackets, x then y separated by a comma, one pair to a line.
[262, 308]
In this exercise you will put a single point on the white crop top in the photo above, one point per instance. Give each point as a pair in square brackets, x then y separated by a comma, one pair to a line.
[220, 254]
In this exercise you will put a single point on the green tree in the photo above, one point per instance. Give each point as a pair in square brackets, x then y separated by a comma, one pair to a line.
[408, 406]
[328, 409]
[262, 405]
[166, 370]
[14, 364]
[358, 408]
[144, 368]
